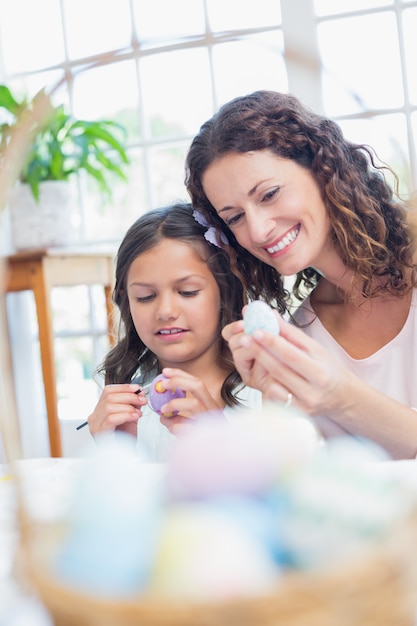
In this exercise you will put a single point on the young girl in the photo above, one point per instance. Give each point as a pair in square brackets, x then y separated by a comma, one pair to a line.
[295, 198]
[175, 292]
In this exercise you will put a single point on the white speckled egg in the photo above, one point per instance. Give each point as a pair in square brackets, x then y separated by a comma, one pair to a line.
[260, 316]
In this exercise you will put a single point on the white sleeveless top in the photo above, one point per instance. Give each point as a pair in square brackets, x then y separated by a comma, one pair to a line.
[392, 369]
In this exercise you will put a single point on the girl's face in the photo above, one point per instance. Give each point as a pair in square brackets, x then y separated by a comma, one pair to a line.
[274, 208]
[174, 303]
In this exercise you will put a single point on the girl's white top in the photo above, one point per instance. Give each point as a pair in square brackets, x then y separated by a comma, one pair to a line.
[154, 439]
[392, 369]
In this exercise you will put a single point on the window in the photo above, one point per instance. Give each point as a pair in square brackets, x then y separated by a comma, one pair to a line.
[367, 51]
[162, 78]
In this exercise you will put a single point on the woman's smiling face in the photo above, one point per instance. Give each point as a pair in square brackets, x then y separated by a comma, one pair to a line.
[273, 207]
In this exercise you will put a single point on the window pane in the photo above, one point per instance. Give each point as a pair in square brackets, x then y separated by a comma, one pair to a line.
[98, 309]
[414, 141]
[30, 85]
[235, 14]
[75, 364]
[387, 135]
[410, 27]
[29, 39]
[330, 7]
[176, 89]
[363, 75]
[151, 29]
[71, 308]
[109, 221]
[94, 26]
[249, 64]
[109, 92]
[167, 175]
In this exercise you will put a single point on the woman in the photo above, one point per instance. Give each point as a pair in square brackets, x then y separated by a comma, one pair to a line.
[295, 198]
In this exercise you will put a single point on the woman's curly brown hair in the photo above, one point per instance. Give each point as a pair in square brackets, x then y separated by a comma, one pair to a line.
[368, 225]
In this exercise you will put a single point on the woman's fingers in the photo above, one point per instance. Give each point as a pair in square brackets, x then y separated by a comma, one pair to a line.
[232, 329]
[299, 365]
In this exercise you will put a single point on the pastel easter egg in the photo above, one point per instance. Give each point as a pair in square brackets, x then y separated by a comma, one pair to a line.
[260, 316]
[243, 456]
[158, 395]
[204, 555]
[116, 502]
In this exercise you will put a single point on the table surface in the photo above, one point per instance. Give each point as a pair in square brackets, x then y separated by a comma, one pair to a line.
[48, 485]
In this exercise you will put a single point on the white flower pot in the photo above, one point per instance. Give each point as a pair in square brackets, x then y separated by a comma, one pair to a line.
[46, 224]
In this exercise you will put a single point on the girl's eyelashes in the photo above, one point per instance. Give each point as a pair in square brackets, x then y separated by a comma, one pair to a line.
[189, 294]
[184, 293]
[145, 298]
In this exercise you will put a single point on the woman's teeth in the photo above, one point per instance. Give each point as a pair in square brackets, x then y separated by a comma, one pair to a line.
[285, 241]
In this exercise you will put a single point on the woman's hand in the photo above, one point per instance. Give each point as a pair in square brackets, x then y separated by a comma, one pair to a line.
[197, 400]
[118, 408]
[341, 402]
[289, 363]
[250, 369]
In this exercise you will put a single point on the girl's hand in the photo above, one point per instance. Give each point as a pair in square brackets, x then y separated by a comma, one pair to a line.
[118, 408]
[197, 400]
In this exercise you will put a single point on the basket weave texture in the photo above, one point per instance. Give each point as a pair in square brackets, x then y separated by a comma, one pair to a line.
[376, 588]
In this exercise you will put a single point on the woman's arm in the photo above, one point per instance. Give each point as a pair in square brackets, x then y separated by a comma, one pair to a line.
[320, 385]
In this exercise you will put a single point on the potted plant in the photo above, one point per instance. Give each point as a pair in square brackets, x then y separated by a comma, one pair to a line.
[62, 147]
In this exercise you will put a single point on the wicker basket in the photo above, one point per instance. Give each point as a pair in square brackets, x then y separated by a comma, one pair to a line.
[377, 589]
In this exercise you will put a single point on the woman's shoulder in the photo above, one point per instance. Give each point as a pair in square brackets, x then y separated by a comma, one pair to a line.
[303, 313]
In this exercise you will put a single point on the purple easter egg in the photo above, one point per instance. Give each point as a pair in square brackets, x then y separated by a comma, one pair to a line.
[158, 395]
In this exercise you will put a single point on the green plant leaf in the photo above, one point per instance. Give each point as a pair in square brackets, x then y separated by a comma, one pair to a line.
[8, 102]
[64, 145]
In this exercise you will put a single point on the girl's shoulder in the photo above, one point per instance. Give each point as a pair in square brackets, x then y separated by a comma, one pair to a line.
[248, 397]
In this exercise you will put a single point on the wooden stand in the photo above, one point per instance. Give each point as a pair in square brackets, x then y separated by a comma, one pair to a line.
[40, 271]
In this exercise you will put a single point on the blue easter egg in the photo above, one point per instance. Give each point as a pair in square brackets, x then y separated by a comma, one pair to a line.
[259, 316]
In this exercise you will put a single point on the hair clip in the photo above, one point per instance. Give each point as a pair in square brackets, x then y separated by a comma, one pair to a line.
[211, 234]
